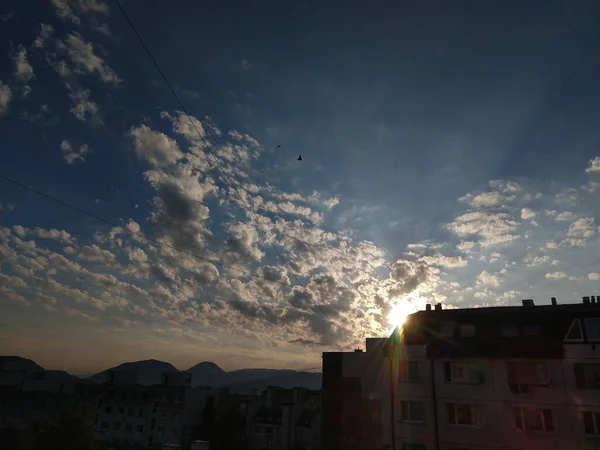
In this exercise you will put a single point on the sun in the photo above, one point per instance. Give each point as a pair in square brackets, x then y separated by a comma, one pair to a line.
[399, 312]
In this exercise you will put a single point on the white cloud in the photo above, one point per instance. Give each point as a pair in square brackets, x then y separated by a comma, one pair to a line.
[449, 262]
[331, 202]
[582, 229]
[555, 275]
[72, 156]
[93, 253]
[85, 60]
[565, 216]
[155, 147]
[84, 108]
[527, 214]
[492, 228]
[65, 12]
[23, 69]
[594, 276]
[46, 31]
[594, 165]
[488, 278]
[5, 97]
[488, 199]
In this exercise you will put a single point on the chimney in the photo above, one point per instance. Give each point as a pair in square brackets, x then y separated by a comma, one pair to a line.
[438, 306]
[586, 300]
[358, 350]
[428, 307]
[528, 302]
[553, 300]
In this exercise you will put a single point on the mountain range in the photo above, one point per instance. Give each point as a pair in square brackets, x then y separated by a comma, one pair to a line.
[203, 374]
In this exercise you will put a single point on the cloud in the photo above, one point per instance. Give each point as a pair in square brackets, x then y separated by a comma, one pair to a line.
[23, 69]
[565, 216]
[491, 228]
[594, 165]
[527, 214]
[555, 275]
[444, 261]
[86, 61]
[96, 254]
[155, 147]
[42, 233]
[65, 12]
[84, 108]
[594, 276]
[73, 156]
[5, 97]
[488, 278]
[581, 230]
[46, 32]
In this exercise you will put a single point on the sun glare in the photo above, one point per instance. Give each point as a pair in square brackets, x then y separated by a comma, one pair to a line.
[399, 312]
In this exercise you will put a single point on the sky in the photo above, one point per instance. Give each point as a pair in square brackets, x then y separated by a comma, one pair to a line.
[450, 154]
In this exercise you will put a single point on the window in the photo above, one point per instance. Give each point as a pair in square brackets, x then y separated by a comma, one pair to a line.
[529, 419]
[410, 371]
[509, 330]
[128, 428]
[521, 376]
[174, 415]
[587, 376]
[141, 412]
[173, 432]
[258, 429]
[467, 330]
[592, 328]
[131, 411]
[413, 446]
[463, 414]
[108, 409]
[139, 429]
[412, 411]
[104, 425]
[464, 373]
[120, 410]
[117, 426]
[163, 413]
[591, 423]
[160, 431]
[574, 334]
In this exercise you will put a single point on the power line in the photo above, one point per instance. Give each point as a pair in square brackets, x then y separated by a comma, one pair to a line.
[126, 230]
[214, 156]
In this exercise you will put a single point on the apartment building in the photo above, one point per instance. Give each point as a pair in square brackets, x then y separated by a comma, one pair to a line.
[506, 378]
[355, 395]
[523, 377]
[284, 419]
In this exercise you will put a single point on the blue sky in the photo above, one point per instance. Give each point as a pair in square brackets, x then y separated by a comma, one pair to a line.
[450, 154]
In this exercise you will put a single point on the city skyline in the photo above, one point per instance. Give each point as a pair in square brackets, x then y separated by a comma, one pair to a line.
[448, 155]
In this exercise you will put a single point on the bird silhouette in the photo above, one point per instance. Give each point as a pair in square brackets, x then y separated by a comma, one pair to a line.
[299, 158]
[279, 146]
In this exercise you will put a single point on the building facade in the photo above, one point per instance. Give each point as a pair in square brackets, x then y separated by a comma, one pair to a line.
[478, 379]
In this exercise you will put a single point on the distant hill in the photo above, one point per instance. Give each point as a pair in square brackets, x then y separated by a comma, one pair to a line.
[18, 364]
[149, 371]
[203, 374]
[246, 380]
[206, 374]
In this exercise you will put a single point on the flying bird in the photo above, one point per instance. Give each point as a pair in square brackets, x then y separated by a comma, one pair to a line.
[279, 146]
[299, 158]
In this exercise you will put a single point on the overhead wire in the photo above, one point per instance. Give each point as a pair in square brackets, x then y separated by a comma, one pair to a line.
[134, 233]
[214, 156]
